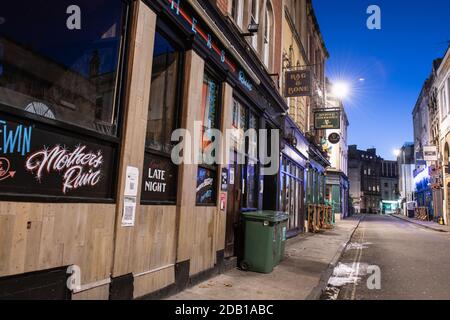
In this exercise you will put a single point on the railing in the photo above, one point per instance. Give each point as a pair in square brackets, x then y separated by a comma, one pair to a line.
[422, 214]
[320, 217]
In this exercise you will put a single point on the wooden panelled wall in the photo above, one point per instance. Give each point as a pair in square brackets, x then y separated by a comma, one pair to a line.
[37, 236]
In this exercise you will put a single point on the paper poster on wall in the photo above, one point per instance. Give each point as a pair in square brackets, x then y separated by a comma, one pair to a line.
[223, 201]
[129, 212]
[131, 183]
[224, 180]
[232, 176]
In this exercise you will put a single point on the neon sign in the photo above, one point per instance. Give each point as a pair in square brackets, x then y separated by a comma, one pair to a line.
[176, 7]
[79, 167]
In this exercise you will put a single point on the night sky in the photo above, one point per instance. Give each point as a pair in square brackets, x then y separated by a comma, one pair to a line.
[394, 63]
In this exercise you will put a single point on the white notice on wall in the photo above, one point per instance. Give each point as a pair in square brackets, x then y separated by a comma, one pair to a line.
[129, 211]
[232, 176]
[131, 182]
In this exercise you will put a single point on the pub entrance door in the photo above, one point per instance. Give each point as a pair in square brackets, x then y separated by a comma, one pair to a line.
[233, 224]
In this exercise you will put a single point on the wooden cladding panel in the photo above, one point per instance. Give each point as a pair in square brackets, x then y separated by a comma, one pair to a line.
[154, 245]
[202, 241]
[154, 281]
[133, 144]
[188, 212]
[39, 236]
[227, 123]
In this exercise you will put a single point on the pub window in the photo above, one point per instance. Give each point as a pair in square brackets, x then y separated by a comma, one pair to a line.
[252, 164]
[54, 69]
[206, 192]
[245, 124]
[159, 184]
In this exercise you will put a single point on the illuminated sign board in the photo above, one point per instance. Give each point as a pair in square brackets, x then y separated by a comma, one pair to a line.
[298, 84]
[327, 120]
[192, 24]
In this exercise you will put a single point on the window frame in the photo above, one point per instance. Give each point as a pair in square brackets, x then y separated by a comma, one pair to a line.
[175, 40]
[120, 80]
[87, 134]
[209, 71]
[249, 111]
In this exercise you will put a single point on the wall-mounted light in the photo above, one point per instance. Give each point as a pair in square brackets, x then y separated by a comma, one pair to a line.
[252, 30]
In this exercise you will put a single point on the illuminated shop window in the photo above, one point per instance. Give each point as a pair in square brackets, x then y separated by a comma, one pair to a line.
[206, 193]
[160, 179]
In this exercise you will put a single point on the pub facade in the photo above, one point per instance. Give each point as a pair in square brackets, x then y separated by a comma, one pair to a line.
[92, 203]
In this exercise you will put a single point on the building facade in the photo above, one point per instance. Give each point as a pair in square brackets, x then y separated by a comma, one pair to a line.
[337, 174]
[406, 167]
[422, 139]
[364, 168]
[389, 187]
[428, 115]
[93, 184]
[442, 84]
[90, 176]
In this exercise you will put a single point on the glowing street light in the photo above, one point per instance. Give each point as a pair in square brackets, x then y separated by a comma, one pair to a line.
[341, 90]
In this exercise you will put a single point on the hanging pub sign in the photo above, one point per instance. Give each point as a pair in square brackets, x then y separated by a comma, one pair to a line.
[35, 160]
[334, 138]
[430, 153]
[298, 83]
[327, 120]
[159, 183]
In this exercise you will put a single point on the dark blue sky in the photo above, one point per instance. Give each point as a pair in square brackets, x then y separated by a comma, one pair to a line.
[394, 61]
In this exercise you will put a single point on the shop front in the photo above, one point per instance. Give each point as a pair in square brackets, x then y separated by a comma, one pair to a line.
[316, 186]
[88, 178]
[292, 178]
[337, 193]
[61, 118]
[423, 194]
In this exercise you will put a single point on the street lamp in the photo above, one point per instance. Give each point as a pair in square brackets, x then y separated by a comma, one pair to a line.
[341, 90]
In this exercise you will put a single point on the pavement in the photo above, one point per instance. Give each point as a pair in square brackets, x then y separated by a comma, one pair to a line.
[302, 275]
[425, 224]
[390, 258]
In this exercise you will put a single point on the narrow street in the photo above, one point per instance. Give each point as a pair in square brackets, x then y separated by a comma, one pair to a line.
[413, 262]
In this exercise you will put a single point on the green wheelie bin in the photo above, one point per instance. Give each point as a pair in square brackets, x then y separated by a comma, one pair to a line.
[265, 237]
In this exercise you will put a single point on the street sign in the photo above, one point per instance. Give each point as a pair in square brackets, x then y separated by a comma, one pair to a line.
[298, 84]
[430, 153]
[334, 138]
[324, 120]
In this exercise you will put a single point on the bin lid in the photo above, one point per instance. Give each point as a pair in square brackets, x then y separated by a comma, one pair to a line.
[267, 215]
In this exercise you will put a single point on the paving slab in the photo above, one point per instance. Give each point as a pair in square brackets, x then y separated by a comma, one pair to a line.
[425, 224]
[301, 275]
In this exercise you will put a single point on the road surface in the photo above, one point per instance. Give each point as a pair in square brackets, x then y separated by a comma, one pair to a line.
[413, 263]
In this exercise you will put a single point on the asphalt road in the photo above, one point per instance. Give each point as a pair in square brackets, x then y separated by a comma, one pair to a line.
[414, 263]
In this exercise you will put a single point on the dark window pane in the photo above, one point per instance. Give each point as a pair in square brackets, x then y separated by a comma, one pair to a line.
[163, 105]
[252, 185]
[159, 183]
[209, 110]
[57, 72]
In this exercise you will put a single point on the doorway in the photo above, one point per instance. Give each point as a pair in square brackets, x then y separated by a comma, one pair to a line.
[233, 224]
